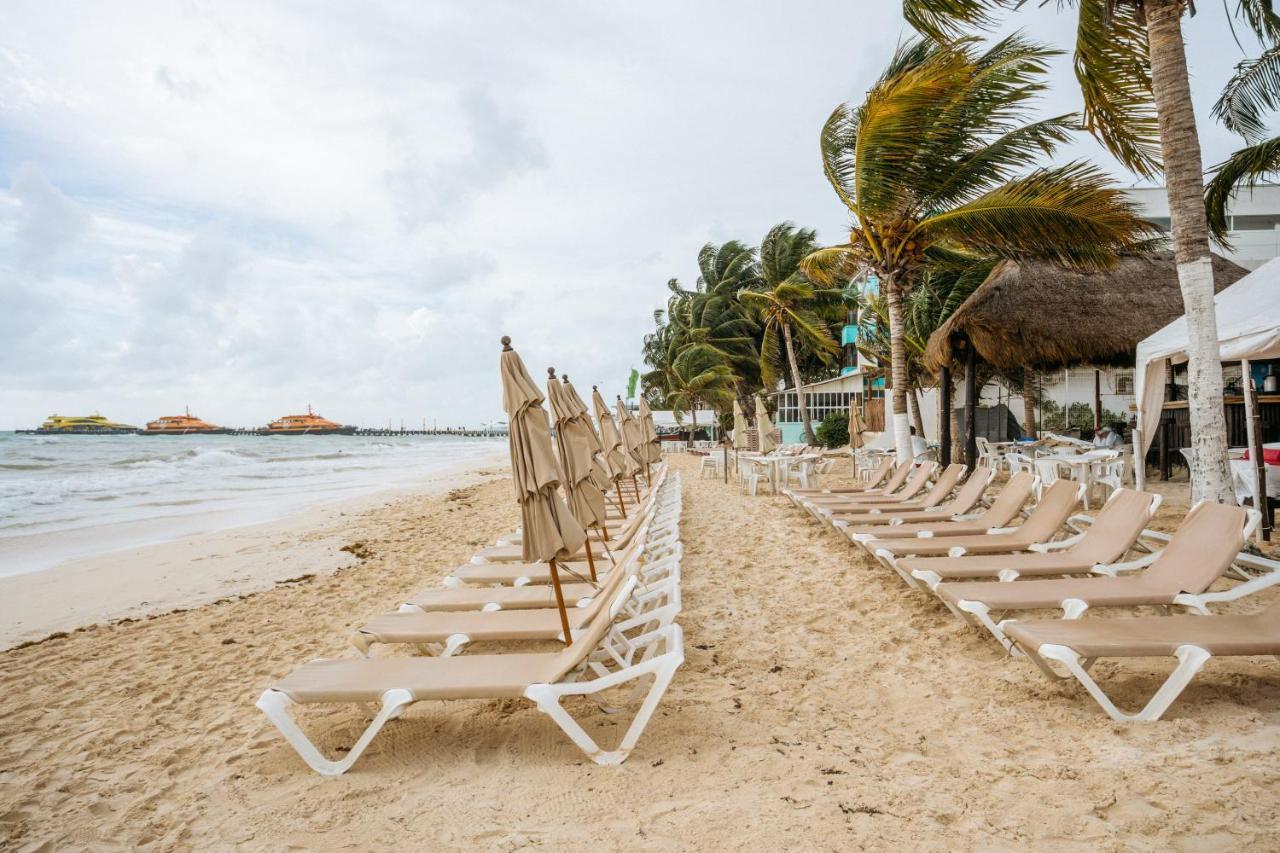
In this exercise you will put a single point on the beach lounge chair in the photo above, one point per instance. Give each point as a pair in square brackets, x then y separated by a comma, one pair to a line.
[1003, 509]
[514, 553]
[878, 475]
[1204, 546]
[937, 493]
[1191, 640]
[1055, 507]
[917, 481]
[1106, 540]
[447, 633]
[966, 498]
[543, 678]
[520, 574]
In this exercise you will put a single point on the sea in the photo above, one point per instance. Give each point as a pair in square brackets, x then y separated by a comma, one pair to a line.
[73, 496]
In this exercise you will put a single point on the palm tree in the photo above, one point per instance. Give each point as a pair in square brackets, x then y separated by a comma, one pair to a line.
[1253, 90]
[790, 308]
[927, 164]
[694, 381]
[1132, 66]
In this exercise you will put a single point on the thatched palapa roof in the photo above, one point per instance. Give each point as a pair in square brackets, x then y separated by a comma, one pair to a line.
[1037, 314]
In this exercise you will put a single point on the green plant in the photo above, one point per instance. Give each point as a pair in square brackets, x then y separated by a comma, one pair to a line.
[1080, 416]
[834, 430]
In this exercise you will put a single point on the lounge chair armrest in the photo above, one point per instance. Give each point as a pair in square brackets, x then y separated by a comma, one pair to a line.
[1061, 544]
[968, 516]
[1199, 602]
[1113, 569]
[670, 635]
[1000, 530]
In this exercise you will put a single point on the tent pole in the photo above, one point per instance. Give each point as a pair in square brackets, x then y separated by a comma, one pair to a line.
[1097, 399]
[564, 615]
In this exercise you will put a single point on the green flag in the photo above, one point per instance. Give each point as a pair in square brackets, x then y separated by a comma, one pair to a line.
[631, 383]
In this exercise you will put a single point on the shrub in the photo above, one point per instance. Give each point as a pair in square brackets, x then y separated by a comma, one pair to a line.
[834, 430]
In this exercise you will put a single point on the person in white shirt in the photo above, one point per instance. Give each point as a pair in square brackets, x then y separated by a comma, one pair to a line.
[918, 444]
[1106, 439]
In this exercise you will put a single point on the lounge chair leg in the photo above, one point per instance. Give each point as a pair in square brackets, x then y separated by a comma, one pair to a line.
[453, 644]
[661, 668]
[276, 706]
[977, 613]
[1190, 660]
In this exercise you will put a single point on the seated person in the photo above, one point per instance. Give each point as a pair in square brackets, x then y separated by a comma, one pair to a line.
[918, 445]
[1106, 438]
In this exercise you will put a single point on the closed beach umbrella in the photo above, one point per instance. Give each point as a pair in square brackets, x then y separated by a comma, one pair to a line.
[649, 432]
[609, 438]
[550, 530]
[764, 427]
[856, 426]
[599, 464]
[631, 440]
[739, 427]
[586, 501]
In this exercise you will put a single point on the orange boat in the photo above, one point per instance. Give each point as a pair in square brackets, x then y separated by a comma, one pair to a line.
[186, 424]
[308, 424]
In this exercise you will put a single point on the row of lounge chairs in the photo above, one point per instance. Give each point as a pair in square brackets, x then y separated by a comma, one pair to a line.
[991, 558]
[622, 626]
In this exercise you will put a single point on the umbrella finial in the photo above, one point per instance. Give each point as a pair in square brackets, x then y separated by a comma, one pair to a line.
[551, 371]
[564, 377]
[506, 343]
[595, 387]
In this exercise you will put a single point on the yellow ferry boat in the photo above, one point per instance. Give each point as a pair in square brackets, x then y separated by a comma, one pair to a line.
[94, 424]
[185, 424]
[308, 424]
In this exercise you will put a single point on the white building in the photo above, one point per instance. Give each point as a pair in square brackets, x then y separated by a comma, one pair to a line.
[1254, 218]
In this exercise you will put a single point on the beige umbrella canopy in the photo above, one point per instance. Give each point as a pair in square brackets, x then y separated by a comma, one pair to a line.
[739, 427]
[652, 450]
[550, 531]
[856, 426]
[619, 463]
[586, 501]
[599, 463]
[764, 427]
[631, 440]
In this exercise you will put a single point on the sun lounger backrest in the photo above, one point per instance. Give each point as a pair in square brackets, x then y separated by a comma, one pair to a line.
[590, 638]
[1010, 499]
[1053, 510]
[946, 482]
[882, 470]
[972, 490]
[1115, 528]
[900, 475]
[919, 478]
[1203, 547]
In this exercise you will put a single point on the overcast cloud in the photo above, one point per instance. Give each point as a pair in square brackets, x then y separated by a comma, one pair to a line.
[249, 207]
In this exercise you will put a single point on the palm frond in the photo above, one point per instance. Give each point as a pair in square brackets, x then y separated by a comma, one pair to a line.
[944, 20]
[1112, 67]
[1069, 214]
[1245, 167]
[1253, 89]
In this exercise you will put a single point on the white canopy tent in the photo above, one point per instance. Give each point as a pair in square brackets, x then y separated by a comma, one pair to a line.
[1248, 329]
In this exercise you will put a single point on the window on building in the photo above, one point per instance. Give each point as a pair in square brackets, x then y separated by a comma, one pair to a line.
[1124, 383]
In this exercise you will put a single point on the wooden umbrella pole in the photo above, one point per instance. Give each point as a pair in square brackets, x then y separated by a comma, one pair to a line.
[564, 614]
[617, 490]
[635, 488]
[591, 561]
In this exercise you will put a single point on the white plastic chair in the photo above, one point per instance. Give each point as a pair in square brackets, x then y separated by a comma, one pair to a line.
[1109, 472]
[753, 471]
[710, 464]
[1018, 462]
[986, 455]
[1050, 471]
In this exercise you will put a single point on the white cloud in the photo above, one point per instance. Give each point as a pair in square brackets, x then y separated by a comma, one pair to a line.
[247, 207]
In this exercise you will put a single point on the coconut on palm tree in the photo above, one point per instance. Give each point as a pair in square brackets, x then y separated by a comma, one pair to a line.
[934, 165]
[1131, 63]
[790, 310]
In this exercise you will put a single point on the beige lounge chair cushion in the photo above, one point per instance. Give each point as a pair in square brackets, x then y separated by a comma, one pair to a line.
[1254, 634]
[510, 598]
[513, 625]
[1197, 555]
[1060, 563]
[467, 677]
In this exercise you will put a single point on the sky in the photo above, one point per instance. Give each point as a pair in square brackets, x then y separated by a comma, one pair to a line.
[251, 207]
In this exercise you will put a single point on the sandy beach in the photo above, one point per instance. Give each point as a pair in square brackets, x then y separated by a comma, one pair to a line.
[821, 706]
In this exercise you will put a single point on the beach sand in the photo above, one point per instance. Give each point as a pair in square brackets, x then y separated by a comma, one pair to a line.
[822, 706]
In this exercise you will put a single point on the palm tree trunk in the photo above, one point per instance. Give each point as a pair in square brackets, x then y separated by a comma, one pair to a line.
[1180, 149]
[809, 437]
[917, 419]
[898, 370]
[1029, 402]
